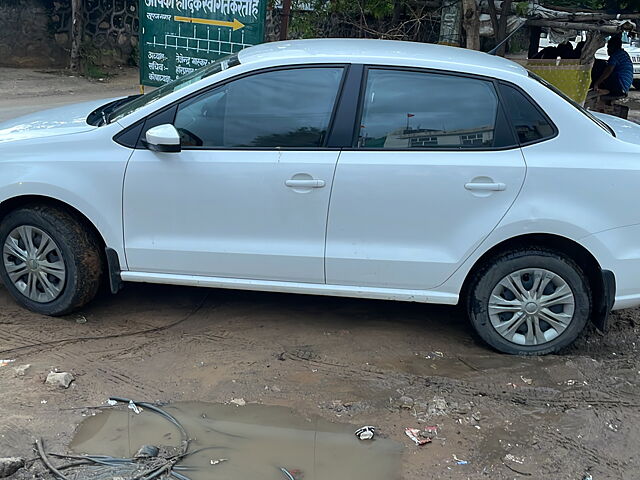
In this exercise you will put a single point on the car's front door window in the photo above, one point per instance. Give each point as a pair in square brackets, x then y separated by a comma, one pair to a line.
[282, 108]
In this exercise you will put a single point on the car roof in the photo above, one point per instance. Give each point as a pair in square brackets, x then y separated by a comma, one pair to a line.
[380, 52]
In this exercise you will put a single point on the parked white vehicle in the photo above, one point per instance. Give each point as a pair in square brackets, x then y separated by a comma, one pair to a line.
[360, 168]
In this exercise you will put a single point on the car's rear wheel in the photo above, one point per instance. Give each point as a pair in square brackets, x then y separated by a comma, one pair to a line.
[636, 84]
[50, 262]
[529, 302]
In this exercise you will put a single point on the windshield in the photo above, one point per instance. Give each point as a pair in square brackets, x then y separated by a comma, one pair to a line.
[163, 91]
[584, 111]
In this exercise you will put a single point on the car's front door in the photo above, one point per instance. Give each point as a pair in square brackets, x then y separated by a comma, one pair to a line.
[434, 169]
[248, 195]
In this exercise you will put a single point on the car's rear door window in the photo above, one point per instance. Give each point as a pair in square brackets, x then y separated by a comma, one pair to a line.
[423, 110]
[527, 119]
[282, 108]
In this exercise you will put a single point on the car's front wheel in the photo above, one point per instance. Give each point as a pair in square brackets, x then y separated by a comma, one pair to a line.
[50, 262]
[529, 302]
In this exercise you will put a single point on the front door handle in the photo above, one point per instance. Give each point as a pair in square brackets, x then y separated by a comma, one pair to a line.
[296, 183]
[485, 187]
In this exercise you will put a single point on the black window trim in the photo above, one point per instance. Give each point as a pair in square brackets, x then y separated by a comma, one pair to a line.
[123, 139]
[535, 106]
[501, 113]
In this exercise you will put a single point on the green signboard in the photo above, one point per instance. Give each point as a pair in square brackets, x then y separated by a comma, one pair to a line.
[180, 36]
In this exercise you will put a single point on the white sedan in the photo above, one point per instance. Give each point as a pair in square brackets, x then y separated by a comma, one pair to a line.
[359, 168]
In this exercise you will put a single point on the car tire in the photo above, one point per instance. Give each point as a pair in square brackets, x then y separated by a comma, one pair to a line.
[636, 84]
[60, 269]
[529, 302]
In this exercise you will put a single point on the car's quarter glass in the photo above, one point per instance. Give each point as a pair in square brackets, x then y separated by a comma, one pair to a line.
[434, 169]
[527, 119]
[233, 203]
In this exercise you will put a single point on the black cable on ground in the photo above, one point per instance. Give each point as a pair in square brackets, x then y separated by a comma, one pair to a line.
[47, 462]
[115, 335]
[168, 416]
[179, 476]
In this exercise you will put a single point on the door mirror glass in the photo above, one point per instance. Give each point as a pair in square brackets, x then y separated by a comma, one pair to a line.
[163, 138]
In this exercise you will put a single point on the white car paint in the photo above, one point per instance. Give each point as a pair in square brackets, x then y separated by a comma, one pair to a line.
[406, 234]
[51, 122]
[236, 218]
[228, 218]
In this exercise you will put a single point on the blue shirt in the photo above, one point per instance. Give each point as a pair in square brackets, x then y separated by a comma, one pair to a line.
[622, 69]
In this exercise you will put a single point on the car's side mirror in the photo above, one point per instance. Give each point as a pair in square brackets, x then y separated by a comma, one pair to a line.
[163, 138]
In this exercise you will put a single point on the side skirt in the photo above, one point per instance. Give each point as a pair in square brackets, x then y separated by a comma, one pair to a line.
[421, 296]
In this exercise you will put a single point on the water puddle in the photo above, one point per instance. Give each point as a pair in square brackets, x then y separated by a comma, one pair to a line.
[244, 443]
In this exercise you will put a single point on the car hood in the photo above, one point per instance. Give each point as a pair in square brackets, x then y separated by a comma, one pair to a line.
[625, 130]
[52, 122]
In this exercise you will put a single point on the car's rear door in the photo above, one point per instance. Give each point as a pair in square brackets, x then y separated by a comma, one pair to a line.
[434, 168]
[248, 195]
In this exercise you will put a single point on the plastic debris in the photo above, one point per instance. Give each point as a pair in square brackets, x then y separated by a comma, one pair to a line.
[528, 381]
[218, 461]
[587, 477]
[365, 433]
[513, 458]
[4, 363]
[240, 402]
[22, 370]
[414, 434]
[132, 406]
[112, 403]
[291, 474]
[147, 451]
[459, 461]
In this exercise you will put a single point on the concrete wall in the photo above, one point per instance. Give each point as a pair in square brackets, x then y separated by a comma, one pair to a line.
[26, 39]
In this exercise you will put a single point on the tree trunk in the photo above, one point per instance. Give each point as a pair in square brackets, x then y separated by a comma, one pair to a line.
[471, 23]
[76, 34]
[502, 26]
[284, 24]
[595, 41]
[494, 18]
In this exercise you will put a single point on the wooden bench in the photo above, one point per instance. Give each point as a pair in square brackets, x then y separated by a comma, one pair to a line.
[606, 103]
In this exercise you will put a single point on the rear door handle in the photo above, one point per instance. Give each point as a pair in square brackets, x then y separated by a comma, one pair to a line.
[305, 183]
[485, 187]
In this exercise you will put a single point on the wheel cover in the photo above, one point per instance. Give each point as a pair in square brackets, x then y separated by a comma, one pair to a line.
[34, 264]
[531, 306]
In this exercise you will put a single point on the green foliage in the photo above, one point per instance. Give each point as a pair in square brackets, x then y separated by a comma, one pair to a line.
[94, 71]
[91, 60]
[368, 17]
[522, 8]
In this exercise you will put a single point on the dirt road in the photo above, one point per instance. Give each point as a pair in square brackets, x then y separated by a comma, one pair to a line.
[387, 364]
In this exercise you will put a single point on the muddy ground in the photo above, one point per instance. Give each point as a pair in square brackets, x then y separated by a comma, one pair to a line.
[349, 361]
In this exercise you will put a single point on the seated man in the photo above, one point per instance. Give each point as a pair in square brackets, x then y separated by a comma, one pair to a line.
[617, 75]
